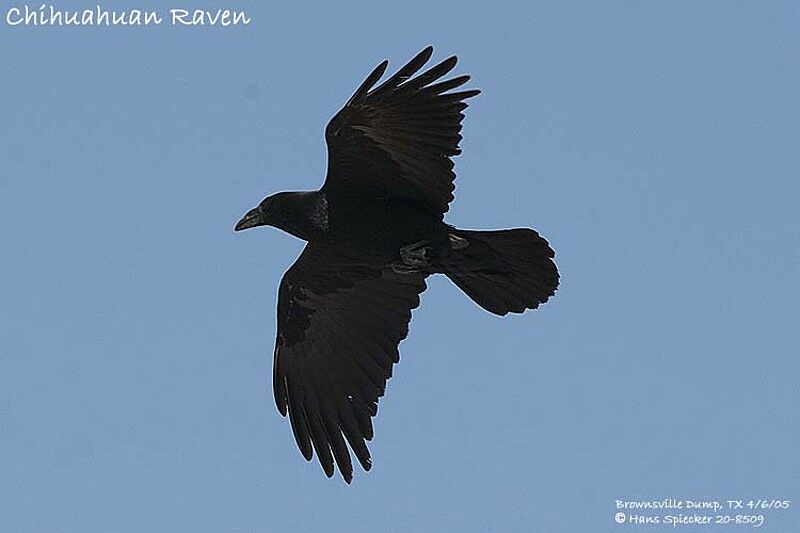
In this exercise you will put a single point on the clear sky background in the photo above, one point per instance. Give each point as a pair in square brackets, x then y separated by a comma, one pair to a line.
[657, 147]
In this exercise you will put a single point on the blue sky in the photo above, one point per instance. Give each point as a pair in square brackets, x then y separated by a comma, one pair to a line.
[655, 146]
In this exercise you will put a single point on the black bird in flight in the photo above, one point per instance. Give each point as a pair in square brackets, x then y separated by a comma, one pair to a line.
[374, 232]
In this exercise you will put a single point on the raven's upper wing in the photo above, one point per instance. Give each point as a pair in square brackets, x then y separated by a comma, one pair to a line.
[398, 138]
[340, 320]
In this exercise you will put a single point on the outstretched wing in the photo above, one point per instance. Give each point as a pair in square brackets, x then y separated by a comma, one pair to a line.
[340, 320]
[398, 139]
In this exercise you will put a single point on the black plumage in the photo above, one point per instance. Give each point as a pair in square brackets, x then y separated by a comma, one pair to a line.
[375, 231]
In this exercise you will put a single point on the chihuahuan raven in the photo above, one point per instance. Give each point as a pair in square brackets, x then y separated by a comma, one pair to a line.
[374, 232]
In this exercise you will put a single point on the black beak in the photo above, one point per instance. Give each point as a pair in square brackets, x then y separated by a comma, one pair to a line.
[252, 219]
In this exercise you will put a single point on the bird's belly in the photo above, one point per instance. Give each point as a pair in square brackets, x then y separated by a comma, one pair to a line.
[384, 229]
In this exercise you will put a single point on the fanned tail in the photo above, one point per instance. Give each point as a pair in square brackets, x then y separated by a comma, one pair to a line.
[502, 271]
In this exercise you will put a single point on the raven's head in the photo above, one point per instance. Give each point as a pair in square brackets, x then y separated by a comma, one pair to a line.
[289, 211]
[270, 212]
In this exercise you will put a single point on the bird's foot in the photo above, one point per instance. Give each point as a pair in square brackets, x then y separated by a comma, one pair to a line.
[415, 255]
[456, 242]
[400, 268]
[413, 258]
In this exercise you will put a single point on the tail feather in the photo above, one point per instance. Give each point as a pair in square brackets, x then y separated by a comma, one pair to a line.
[503, 271]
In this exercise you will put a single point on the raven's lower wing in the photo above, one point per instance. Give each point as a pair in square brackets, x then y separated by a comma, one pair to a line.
[340, 320]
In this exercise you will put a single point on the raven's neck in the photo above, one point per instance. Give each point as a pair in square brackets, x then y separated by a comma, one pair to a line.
[303, 214]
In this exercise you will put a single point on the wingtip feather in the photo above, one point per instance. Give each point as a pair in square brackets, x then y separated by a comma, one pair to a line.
[426, 52]
[368, 83]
